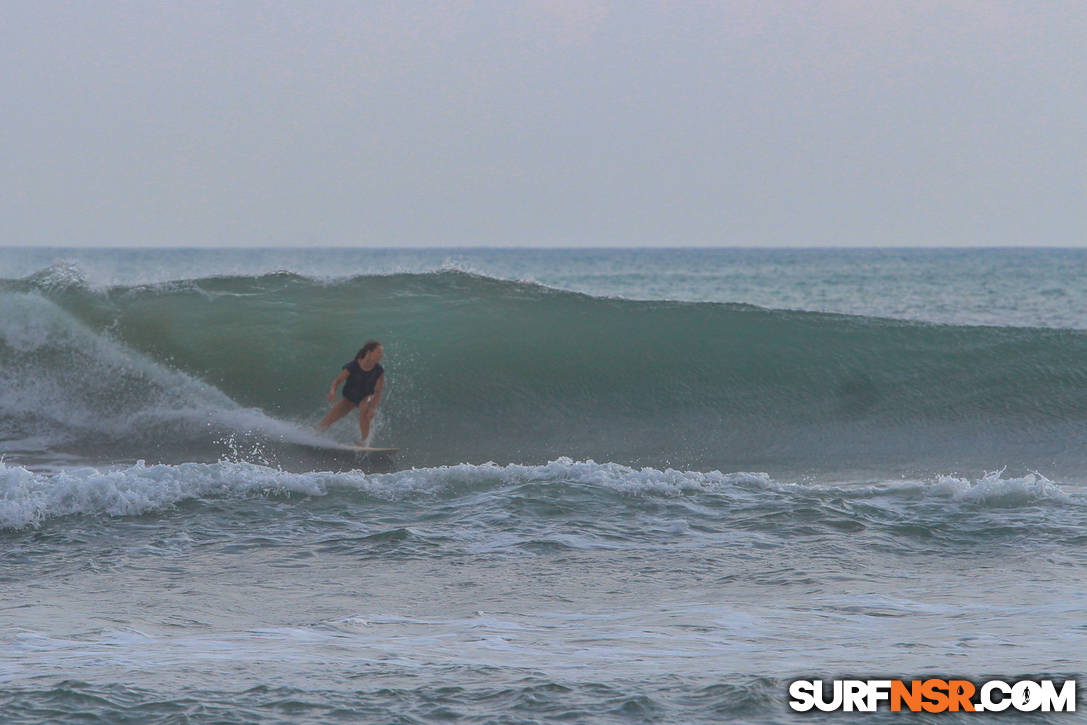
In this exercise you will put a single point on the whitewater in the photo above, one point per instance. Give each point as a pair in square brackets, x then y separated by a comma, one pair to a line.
[633, 485]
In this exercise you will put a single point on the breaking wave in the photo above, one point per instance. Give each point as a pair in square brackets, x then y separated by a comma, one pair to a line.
[483, 369]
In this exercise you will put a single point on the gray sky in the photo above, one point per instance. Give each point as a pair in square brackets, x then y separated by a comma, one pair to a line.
[547, 123]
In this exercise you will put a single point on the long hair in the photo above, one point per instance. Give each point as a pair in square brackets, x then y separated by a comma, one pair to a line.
[365, 349]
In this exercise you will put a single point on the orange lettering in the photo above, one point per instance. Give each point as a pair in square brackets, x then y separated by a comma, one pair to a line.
[959, 694]
[911, 695]
[935, 691]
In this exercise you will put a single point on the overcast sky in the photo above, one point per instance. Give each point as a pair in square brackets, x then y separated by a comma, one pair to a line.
[592, 123]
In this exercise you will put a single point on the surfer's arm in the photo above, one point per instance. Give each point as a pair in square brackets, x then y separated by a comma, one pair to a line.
[336, 383]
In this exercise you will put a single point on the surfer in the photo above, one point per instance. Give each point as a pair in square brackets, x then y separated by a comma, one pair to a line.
[364, 378]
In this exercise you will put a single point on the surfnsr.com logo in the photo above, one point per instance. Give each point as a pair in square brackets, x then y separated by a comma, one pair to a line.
[933, 695]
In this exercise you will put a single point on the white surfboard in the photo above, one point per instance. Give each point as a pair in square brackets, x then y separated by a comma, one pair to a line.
[368, 449]
[337, 446]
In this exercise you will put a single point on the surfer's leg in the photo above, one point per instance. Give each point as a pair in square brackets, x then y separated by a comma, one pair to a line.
[339, 410]
[366, 414]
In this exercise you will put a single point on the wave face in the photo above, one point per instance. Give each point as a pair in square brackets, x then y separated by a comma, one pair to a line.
[482, 369]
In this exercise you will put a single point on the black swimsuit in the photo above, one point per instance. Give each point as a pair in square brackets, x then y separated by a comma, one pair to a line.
[360, 383]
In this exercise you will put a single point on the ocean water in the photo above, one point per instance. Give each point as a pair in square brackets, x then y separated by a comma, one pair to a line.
[633, 485]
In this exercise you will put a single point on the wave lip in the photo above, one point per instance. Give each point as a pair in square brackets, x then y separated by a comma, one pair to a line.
[30, 498]
[994, 491]
[677, 503]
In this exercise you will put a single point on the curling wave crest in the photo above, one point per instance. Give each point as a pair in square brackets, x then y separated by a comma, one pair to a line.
[31, 498]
